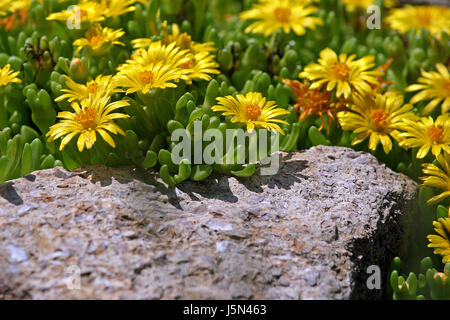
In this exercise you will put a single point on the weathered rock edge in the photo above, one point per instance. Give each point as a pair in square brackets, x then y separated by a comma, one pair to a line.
[309, 232]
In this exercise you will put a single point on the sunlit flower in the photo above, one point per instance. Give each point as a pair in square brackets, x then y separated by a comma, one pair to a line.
[434, 86]
[91, 116]
[441, 242]
[137, 78]
[375, 117]
[313, 101]
[99, 40]
[7, 76]
[116, 8]
[156, 52]
[193, 59]
[352, 5]
[426, 134]
[288, 15]
[343, 73]
[438, 177]
[253, 110]
[86, 11]
[433, 18]
[199, 67]
[99, 87]
[183, 40]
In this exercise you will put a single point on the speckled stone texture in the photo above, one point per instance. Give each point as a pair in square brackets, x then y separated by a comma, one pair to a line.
[308, 232]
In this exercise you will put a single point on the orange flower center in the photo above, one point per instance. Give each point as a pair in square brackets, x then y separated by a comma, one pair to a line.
[252, 111]
[87, 118]
[187, 65]
[282, 14]
[92, 87]
[83, 13]
[424, 18]
[96, 41]
[146, 77]
[436, 133]
[380, 119]
[446, 87]
[340, 70]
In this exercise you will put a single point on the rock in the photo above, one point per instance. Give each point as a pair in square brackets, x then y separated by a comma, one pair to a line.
[309, 232]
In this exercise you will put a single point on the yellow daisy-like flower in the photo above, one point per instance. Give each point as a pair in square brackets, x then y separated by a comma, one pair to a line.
[434, 86]
[116, 8]
[86, 11]
[137, 78]
[437, 177]
[288, 15]
[91, 116]
[7, 76]
[99, 40]
[426, 134]
[441, 242]
[99, 87]
[157, 52]
[343, 73]
[433, 18]
[199, 67]
[253, 110]
[377, 117]
[183, 40]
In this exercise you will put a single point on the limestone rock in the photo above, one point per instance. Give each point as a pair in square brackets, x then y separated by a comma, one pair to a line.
[309, 232]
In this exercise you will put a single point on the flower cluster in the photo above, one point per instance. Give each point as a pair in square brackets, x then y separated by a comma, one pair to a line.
[111, 81]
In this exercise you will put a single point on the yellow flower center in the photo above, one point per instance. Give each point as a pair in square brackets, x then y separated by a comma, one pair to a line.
[436, 133]
[282, 14]
[340, 70]
[424, 18]
[380, 119]
[146, 77]
[96, 41]
[87, 118]
[252, 111]
[446, 87]
[92, 87]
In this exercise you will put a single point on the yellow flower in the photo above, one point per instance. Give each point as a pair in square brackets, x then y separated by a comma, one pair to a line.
[101, 86]
[434, 86]
[253, 110]
[351, 5]
[91, 116]
[99, 40]
[194, 60]
[7, 76]
[199, 66]
[288, 15]
[86, 11]
[441, 242]
[116, 8]
[376, 117]
[183, 40]
[137, 78]
[433, 18]
[437, 177]
[426, 134]
[344, 73]
[155, 52]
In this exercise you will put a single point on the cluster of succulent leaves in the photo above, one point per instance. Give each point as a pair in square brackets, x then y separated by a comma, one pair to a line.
[43, 52]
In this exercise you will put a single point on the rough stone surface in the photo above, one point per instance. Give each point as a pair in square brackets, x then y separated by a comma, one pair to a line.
[308, 232]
